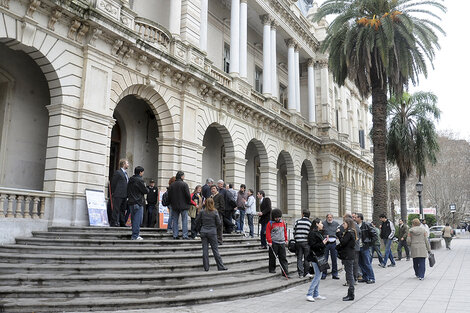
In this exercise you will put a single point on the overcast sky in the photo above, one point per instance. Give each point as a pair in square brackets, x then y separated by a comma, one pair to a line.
[450, 78]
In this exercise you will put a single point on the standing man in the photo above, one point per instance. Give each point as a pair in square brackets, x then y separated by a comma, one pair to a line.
[426, 227]
[387, 231]
[180, 200]
[152, 199]
[301, 231]
[241, 200]
[119, 194]
[135, 193]
[264, 216]
[376, 246]
[219, 204]
[329, 228]
[402, 235]
[206, 189]
[367, 238]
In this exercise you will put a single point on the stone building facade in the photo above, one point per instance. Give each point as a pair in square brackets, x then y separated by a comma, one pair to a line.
[231, 89]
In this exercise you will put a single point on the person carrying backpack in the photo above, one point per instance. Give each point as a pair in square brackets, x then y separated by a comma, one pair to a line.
[367, 238]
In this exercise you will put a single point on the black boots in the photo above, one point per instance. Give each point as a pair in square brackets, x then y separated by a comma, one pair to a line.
[350, 296]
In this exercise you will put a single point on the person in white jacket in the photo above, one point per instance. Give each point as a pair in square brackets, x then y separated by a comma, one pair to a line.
[250, 210]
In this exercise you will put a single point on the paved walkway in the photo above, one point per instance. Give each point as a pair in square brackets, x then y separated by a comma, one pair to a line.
[446, 288]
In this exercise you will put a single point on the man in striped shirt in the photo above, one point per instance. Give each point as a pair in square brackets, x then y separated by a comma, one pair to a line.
[301, 230]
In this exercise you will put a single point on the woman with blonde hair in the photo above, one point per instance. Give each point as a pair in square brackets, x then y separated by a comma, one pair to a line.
[346, 253]
[207, 222]
[419, 245]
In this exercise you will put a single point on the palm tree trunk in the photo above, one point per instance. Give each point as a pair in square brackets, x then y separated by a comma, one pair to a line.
[379, 139]
[403, 209]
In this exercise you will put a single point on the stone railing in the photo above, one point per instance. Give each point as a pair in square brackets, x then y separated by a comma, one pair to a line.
[152, 32]
[20, 203]
[221, 77]
[257, 97]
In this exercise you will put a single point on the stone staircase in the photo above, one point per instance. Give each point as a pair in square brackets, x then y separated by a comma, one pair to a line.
[89, 269]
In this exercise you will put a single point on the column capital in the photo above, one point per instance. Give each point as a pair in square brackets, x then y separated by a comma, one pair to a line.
[291, 42]
[266, 19]
[274, 25]
[310, 62]
[322, 63]
[296, 47]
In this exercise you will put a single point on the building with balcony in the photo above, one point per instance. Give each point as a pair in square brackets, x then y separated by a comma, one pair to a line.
[231, 89]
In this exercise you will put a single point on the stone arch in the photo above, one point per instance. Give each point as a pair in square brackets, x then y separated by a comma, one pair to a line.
[257, 164]
[306, 185]
[286, 185]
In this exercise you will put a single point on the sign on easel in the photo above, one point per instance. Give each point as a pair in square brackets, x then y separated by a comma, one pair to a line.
[96, 204]
[163, 213]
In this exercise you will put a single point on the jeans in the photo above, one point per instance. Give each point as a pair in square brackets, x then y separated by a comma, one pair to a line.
[241, 220]
[250, 224]
[388, 252]
[313, 289]
[136, 212]
[419, 265]
[401, 244]
[170, 219]
[280, 250]
[356, 268]
[365, 265]
[330, 248]
[151, 215]
[184, 220]
[263, 234]
[301, 250]
[379, 253]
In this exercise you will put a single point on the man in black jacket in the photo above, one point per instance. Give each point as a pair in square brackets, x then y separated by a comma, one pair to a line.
[152, 198]
[119, 194]
[387, 232]
[135, 194]
[180, 201]
[368, 237]
[206, 189]
[264, 216]
[219, 204]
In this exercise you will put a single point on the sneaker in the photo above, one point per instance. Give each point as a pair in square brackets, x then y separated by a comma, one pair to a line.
[138, 238]
[421, 278]
[310, 299]
[391, 265]
[309, 275]
[320, 297]
[335, 277]
[370, 282]
[382, 265]
[197, 238]
[346, 284]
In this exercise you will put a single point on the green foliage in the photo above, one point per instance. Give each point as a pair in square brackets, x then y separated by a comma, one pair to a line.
[430, 219]
[411, 217]
[431, 236]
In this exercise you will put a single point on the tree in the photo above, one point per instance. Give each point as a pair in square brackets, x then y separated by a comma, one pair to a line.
[412, 136]
[380, 45]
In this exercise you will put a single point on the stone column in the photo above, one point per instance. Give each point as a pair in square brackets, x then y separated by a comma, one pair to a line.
[297, 79]
[235, 170]
[325, 91]
[266, 19]
[243, 39]
[203, 35]
[311, 91]
[175, 17]
[235, 38]
[268, 182]
[294, 195]
[291, 74]
[274, 83]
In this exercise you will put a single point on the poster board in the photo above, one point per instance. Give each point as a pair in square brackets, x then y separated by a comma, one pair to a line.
[163, 213]
[96, 204]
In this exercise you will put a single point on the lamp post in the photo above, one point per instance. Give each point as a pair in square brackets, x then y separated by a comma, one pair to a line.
[419, 189]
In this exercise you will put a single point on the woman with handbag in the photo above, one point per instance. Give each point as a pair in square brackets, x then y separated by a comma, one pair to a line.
[316, 243]
[420, 248]
[195, 208]
[346, 252]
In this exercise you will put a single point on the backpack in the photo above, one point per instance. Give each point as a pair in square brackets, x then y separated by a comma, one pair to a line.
[165, 201]
[371, 233]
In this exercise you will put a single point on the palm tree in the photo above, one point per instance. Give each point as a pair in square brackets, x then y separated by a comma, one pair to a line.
[412, 136]
[380, 45]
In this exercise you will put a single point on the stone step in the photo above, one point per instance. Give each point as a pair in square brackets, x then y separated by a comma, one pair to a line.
[127, 229]
[194, 296]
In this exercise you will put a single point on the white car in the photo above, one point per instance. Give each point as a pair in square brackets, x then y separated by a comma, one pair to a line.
[437, 231]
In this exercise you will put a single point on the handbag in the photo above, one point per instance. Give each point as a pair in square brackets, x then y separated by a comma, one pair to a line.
[192, 212]
[432, 259]
[322, 263]
[291, 246]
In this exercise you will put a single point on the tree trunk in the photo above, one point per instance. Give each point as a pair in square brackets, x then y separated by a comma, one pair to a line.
[403, 209]
[379, 139]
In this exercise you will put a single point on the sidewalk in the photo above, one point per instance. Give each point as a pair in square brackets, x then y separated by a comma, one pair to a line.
[446, 288]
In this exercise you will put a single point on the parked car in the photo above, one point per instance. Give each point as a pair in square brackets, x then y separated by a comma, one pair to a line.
[437, 231]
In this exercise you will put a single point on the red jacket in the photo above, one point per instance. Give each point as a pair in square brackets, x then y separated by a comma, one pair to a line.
[276, 231]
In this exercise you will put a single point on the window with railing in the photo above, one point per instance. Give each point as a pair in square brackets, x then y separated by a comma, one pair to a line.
[226, 58]
[258, 79]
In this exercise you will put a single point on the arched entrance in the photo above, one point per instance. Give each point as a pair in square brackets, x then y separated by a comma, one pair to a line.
[306, 185]
[134, 136]
[217, 147]
[285, 168]
[24, 120]
[256, 157]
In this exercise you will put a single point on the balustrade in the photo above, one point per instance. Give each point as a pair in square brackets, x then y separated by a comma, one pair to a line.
[152, 32]
[19, 203]
[223, 79]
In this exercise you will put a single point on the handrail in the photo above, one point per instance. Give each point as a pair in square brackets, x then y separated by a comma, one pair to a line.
[22, 203]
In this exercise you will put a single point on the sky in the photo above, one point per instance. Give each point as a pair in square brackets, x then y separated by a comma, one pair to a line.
[450, 78]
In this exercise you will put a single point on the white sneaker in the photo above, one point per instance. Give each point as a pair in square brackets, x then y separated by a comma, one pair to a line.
[309, 275]
[310, 299]
[139, 238]
[320, 298]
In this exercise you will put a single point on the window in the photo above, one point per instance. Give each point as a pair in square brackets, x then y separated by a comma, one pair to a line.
[283, 95]
[226, 58]
[337, 120]
[258, 79]
[362, 141]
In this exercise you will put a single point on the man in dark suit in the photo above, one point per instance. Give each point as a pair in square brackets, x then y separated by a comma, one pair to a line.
[119, 194]
[264, 216]
[206, 189]
[180, 200]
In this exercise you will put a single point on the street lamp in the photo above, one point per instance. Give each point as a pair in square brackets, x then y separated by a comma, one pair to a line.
[419, 189]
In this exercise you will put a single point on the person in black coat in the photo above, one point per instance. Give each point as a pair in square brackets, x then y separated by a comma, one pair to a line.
[206, 189]
[135, 194]
[150, 218]
[180, 200]
[119, 194]
[264, 216]
[219, 204]
[346, 253]
[317, 244]
[207, 222]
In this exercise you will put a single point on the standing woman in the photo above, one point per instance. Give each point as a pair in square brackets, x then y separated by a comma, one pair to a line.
[346, 253]
[316, 243]
[196, 200]
[207, 222]
[419, 245]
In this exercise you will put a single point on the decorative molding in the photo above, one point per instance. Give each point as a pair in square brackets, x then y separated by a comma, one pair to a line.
[266, 19]
[73, 29]
[82, 32]
[141, 60]
[5, 3]
[95, 33]
[33, 5]
[56, 14]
